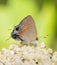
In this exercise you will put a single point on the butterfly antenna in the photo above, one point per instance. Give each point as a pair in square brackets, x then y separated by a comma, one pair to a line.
[13, 26]
[8, 38]
[9, 29]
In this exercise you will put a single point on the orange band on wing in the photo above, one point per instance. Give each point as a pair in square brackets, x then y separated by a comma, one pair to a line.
[25, 29]
[30, 23]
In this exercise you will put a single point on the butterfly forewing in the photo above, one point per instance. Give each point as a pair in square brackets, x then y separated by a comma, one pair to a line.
[27, 29]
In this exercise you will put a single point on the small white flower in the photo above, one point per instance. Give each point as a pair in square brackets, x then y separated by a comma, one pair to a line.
[28, 55]
[54, 57]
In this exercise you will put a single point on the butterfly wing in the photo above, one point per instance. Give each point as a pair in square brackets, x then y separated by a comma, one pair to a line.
[27, 29]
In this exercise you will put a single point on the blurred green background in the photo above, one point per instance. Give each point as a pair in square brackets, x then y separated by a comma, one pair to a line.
[44, 13]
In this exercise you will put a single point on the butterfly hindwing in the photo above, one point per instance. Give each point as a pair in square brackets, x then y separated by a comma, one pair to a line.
[27, 29]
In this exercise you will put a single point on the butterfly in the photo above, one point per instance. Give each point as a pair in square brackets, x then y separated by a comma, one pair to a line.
[25, 30]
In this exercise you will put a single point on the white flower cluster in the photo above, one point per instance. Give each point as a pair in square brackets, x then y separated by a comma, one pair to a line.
[28, 55]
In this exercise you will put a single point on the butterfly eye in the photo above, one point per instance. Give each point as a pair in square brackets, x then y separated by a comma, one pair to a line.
[17, 28]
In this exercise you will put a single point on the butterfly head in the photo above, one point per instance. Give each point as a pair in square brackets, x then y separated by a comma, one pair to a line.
[14, 33]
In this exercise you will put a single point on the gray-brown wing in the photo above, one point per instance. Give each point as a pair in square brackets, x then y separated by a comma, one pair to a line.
[27, 29]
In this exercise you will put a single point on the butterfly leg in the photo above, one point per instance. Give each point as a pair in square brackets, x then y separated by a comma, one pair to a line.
[25, 43]
[30, 43]
[34, 42]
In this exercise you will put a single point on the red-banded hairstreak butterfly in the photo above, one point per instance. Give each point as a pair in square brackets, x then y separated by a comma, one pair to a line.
[25, 31]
